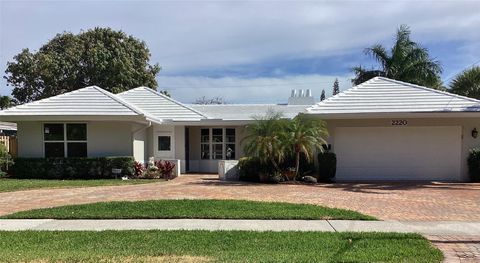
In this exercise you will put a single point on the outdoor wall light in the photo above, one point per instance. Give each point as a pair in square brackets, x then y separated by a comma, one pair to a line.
[474, 133]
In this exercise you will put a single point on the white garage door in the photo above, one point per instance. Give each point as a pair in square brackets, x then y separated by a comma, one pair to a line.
[398, 153]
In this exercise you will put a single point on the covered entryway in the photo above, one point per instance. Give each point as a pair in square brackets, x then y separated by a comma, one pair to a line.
[398, 153]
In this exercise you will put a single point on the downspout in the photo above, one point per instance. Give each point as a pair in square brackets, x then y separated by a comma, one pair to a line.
[133, 138]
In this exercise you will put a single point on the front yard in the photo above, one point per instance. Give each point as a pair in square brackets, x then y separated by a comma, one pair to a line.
[214, 209]
[11, 184]
[215, 246]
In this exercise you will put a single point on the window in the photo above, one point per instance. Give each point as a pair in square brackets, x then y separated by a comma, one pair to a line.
[65, 140]
[217, 143]
[205, 144]
[164, 143]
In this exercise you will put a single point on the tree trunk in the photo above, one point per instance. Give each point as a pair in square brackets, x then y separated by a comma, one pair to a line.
[297, 164]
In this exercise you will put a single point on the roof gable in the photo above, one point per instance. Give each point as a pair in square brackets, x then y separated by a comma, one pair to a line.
[383, 95]
[90, 100]
[159, 105]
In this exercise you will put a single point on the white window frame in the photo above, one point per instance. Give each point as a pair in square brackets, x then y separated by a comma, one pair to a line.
[224, 142]
[65, 141]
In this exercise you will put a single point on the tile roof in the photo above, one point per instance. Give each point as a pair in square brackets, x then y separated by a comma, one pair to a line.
[383, 95]
[160, 106]
[86, 101]
[247, 111]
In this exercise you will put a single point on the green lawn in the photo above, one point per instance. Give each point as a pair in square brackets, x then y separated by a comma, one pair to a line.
[226, 209]
[217, 246]
[10, 184]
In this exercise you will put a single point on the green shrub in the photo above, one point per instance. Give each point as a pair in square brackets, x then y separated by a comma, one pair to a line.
[5, 160]
[327, 166]
[249, 169]
[474, 165]
[71, 168]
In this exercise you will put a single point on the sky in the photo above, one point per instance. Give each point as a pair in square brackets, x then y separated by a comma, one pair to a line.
[253, 51]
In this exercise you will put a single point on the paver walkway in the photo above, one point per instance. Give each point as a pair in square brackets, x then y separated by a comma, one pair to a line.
[418, 202]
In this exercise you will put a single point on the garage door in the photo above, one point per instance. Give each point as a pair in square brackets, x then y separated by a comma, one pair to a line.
[398, 153]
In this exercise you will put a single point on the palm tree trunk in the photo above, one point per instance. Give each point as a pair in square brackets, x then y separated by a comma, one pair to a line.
[297, 164]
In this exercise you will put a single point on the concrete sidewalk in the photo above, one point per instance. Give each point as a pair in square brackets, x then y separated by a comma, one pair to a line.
[428, 228]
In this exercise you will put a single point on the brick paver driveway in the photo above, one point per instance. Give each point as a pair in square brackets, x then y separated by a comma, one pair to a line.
[441, 201]
[437, 201]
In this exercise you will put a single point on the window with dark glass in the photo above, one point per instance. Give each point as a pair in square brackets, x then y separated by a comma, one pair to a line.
[76, 132]
[65, 140]
[164, 143]
[54, 149]
[53, 132]
[220, 145]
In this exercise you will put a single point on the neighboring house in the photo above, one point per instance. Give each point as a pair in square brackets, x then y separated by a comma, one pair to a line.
[8, 128]
[380, 130]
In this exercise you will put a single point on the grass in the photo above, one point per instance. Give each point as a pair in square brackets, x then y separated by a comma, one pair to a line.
[215, 246]
[11, 184]
[224, 209]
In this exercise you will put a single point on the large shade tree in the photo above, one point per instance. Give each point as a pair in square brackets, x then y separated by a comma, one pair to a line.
[104, 57]
[406, 61]
[467, 83]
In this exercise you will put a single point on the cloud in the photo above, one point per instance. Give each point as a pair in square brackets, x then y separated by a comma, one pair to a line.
[248, 90]
[252, 41]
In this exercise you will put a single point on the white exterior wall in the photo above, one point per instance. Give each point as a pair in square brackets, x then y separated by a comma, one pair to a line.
[140, 146]
[109, 139]
[30, 139]
[466, 126]
[103, 139]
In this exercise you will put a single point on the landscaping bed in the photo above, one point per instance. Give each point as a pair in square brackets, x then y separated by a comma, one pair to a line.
[213, 209]
[12, 184]
[213, 246]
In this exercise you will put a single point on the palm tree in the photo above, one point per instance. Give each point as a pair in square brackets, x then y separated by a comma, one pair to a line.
[304, 135]
[467, 83]
[407, 61]
[264, 139]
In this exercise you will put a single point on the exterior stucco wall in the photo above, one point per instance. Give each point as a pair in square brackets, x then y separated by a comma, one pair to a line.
[466, 124]
[103, 139]
[109, 139]
[30, 139]
[140, 146]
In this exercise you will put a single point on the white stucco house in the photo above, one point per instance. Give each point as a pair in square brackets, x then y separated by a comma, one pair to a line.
[382, 129]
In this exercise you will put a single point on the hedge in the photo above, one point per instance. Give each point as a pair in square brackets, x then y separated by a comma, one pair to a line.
[71, 168]
[474, 165]
[327, 166]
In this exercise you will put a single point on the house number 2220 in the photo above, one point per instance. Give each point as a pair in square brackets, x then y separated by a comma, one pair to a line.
[399, 122]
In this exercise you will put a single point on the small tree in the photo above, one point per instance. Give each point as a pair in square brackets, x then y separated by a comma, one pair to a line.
[206, 101]
[5, 160]
[304, 135]
[264, 139]
[322, 96]
[336, 87]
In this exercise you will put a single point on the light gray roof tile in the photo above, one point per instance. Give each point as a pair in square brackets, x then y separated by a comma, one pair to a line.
[159, 105]
[383, 95]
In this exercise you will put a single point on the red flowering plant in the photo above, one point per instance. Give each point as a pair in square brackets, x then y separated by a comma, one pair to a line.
[138, 169]
[166, 169]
